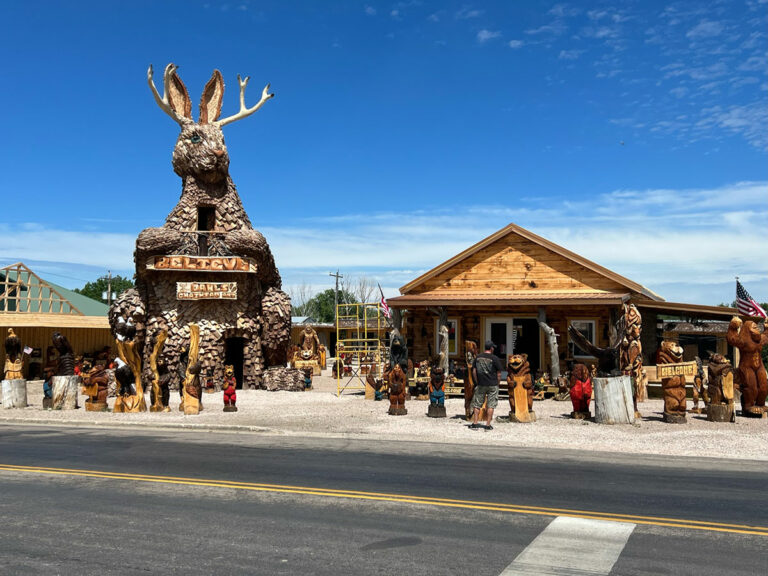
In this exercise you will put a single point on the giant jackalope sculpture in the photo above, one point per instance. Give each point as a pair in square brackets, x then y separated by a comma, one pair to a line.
[207, 265]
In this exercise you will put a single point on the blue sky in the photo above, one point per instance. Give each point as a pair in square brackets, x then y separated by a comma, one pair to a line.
[634, 133]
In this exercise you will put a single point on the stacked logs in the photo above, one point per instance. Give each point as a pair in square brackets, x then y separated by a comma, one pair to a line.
[281, 378]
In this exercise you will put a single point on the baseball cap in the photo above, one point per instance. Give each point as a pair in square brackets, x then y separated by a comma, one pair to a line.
[489, 344]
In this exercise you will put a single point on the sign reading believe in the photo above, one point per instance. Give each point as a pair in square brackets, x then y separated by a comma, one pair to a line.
[202, 263]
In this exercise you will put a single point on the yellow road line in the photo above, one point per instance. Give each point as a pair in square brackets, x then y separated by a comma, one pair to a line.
[401, 498]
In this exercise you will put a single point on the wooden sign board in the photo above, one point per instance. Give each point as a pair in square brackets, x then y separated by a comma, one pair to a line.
[680, 369]
[206, 290]
[202, 264]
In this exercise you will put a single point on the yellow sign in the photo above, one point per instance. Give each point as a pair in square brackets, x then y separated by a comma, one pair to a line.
[202, 263]
[680, 369]
[206, 290]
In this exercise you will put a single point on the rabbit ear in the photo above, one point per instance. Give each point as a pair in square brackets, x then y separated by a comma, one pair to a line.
[178, 97]
[210, 103]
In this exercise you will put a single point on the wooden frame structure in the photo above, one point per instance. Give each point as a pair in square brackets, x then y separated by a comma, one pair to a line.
[354, 322]
[23, 291]
[36, 308]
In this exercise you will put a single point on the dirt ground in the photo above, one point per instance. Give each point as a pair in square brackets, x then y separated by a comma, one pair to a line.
[321, 412]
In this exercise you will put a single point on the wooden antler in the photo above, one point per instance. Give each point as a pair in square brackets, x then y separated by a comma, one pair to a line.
[245, 112]
[163, 102]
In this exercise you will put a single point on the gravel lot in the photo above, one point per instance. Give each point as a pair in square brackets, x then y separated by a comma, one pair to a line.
[322, 412]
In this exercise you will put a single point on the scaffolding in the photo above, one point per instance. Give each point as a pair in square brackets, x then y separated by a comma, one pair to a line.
[360, 348]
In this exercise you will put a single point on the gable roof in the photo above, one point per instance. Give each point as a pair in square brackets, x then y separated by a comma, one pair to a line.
[543, 242]
[24, 292]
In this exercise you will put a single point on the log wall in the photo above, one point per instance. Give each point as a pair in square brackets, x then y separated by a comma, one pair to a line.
[420, 328]
[514, 263]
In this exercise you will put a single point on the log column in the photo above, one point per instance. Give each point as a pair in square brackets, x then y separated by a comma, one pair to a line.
[65, 392]
[14, 393]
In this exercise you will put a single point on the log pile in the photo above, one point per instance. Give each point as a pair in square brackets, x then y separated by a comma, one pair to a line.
[281, 378]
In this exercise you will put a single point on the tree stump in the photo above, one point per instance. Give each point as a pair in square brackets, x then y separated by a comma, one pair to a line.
[436, 411]
[721, 413]
[15, 393]
[674, 418]
[613, 400]
[65, 392]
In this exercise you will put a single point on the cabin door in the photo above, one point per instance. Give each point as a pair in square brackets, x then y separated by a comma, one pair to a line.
[234, 355]
[514, 336]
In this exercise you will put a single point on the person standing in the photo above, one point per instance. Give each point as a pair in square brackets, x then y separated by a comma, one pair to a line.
[487, 370]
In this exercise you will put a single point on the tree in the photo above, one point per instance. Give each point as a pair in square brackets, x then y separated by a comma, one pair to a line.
[98, 287]
[320, 306]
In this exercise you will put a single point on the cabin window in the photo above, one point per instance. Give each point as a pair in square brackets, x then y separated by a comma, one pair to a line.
[588, 329]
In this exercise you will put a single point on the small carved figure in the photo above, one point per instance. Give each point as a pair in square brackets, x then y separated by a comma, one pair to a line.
[13, 357]
[307, 378]
[125, 379]
[720, 390]
[229, 386]
[470, 352]
[398, 384]
[49, 373]
[581, 391]
[751, 378]
[376, 384]
[630, 350]
[520, 389]
[437, 394]
[309, 343]
[540, 385]
[423, 375]
[66, 364]
[699, 388]
[95, 381]
[323, 356]
[398, 352]
[673, 387]
[163, 387]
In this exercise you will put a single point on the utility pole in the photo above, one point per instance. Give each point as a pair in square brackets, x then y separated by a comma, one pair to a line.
[108, 294]
[336, 295]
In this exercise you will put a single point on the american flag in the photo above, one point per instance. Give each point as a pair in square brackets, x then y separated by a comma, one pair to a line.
[384, 306]
[746, 305]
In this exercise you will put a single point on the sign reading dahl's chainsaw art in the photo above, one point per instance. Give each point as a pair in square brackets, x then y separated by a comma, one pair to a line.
[679, 369]
[206, 290]
[202, 263]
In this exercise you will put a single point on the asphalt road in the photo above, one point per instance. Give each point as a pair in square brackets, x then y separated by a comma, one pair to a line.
[164, 502]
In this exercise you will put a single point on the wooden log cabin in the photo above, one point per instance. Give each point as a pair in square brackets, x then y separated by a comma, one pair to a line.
[496, 290]
[36, 308]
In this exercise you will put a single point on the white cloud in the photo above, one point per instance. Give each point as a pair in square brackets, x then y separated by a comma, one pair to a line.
[370, 11]
[675, 241]
[485, 35]
[569, 54]
[515, 44]
[467, 13]
[705, 29]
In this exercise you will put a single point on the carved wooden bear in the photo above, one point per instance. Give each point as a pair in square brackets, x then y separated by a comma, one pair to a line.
[397, 382]
[673, 387]
[580, 386]
[95, 383]
[720, 389]
[520, 389]
[750, 375]
[437, 394]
